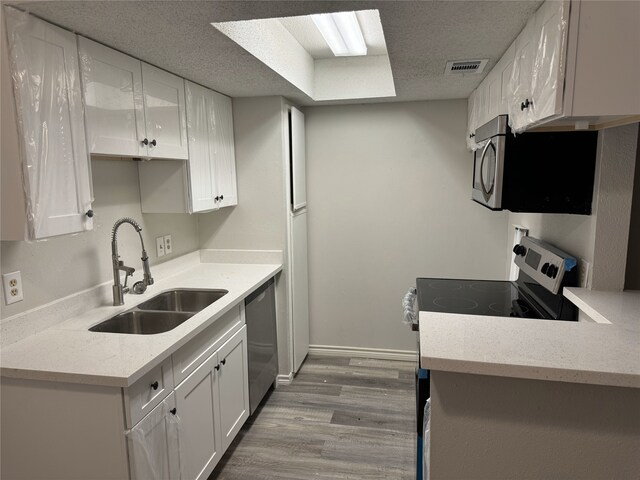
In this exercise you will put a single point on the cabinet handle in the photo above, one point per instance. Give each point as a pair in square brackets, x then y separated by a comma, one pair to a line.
[145, 142]
[153, 142]
[525, 104]
[89, 213]
[217, 367]
[155, 385]
[223, 361]
[173, 411]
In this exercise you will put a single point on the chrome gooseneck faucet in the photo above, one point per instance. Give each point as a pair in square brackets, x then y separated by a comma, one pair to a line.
[139, 287]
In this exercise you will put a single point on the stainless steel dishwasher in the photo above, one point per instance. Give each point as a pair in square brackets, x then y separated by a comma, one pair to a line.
[260, 313]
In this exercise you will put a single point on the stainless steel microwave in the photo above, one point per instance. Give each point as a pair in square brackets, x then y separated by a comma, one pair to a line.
[542, 172]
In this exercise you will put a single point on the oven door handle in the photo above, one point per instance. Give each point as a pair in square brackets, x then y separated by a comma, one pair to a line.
[485, 192]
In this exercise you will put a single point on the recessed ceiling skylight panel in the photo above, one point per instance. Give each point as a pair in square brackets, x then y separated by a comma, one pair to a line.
[342, 33]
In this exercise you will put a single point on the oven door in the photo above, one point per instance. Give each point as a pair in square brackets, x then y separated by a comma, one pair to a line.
[488, 167]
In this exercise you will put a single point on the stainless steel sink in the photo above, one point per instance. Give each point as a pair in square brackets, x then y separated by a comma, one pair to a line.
[140, 322]
[183, 300]
[161, 313]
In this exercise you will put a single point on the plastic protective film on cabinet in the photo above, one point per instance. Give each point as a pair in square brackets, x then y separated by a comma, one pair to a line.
[154, 446]
[54, 157]
[537, 78]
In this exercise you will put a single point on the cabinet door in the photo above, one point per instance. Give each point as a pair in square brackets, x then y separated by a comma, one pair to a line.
[55, 160]
[234, 386]
[505, 71]
[197, 405]
[153, 444]
[164, 110]
[112, 86]
[547, 79]
[201, 133]
[224, 150]
[520, 82]
[472, 121]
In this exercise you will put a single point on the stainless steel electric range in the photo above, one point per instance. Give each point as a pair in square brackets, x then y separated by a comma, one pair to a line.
[535, 295]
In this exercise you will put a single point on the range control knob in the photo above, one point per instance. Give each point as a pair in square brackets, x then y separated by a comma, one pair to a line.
[520, 250]
[552, 271]
[545, 268]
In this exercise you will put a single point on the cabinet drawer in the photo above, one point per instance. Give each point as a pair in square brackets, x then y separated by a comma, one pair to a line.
[141, 397]
[189, 357]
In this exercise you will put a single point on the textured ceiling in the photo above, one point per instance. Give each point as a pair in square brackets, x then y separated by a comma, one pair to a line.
[177, 36]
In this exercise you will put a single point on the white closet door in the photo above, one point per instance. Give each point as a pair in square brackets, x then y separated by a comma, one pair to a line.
[44, 61]
[224, 150]
[200, 129]
[300, 287]
[112, 85]
[298, 160]
[164, 107]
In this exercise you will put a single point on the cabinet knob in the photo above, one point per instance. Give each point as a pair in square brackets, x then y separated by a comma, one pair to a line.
[223, 361]
[217, 198]
[153, 142]
[173, 411]
[145, 142]
[221, 197]
[526, 104]
[155, 385]
[217, 367]
[89, 213]
[471, 135]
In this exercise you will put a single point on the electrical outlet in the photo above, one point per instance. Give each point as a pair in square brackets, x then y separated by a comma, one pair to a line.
[583, 273]
[160, 246]
[12, 283]
[168, 245]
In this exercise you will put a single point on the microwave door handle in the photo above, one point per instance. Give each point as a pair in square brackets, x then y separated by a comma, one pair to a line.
[485, 192]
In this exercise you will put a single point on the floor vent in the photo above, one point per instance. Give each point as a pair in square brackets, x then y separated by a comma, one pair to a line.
[465, 66]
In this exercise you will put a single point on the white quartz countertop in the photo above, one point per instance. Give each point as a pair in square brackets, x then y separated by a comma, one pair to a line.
[604, 353]
[69, 352]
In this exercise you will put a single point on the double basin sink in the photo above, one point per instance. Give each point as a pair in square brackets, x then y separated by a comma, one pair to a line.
[161, 313]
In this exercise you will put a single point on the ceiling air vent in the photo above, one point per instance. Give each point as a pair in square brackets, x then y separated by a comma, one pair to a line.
[465, 66]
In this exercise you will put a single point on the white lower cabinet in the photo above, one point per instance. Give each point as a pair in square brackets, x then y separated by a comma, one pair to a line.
[171, 433]
[213, 404]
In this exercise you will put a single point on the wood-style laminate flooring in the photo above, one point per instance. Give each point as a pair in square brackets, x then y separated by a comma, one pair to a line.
[341, 418]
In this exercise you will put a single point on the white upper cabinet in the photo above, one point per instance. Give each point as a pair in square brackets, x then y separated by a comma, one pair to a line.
[224, 151]
[132, 109]
[207, 181]
[574, 65]
[112, 84]
[212, 162]
[164, 109]
[51, 135]
[537, 81]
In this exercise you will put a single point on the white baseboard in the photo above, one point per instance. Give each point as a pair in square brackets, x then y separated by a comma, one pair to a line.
[379, 353]
[284, 379]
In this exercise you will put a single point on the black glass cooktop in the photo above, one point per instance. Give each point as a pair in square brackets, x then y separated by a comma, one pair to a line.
[474, 297]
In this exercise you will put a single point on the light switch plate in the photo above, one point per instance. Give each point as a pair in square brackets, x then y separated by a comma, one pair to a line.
[12, 284]
[160, 246]
[168, 245]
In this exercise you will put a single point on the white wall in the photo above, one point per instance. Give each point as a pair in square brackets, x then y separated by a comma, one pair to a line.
[602, 237]
[64, 265]
[258, 222]
[389, 190]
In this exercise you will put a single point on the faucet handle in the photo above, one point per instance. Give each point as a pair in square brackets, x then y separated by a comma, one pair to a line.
[123, 267]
